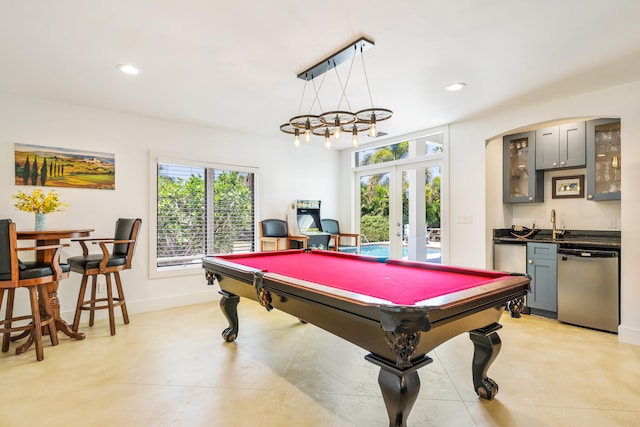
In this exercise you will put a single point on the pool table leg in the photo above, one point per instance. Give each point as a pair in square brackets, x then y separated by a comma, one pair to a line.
[400, 388]
[229, 306]
[487, 345]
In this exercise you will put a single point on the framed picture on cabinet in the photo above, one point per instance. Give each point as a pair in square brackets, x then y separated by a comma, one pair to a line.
[566, 187]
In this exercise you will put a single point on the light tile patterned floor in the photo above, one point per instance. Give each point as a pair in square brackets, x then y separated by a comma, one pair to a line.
[171, 368]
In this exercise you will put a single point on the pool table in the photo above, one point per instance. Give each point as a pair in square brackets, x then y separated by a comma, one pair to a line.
[397, 310]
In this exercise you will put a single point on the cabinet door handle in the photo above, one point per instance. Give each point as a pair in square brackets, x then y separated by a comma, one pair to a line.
[530, 261]
[590, 197]
[563, 163]
[548, 133]
[555, 164]
[530, 198]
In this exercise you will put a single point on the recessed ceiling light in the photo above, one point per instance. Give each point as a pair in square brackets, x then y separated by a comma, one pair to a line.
[455, 86]
[128, 69]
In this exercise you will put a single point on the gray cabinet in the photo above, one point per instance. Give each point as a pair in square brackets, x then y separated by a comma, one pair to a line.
[604, 159]
[521, 182]
[561, 146]
[542, 266]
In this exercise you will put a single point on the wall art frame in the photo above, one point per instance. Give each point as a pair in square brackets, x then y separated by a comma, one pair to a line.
[37, 165]
[568, 187]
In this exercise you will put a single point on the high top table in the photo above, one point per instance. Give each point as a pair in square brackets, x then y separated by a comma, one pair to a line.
[45, 238]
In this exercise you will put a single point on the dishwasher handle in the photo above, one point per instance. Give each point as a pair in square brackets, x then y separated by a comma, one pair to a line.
[587, 253]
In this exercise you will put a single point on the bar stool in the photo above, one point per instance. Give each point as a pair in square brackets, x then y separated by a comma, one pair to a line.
[106, 263]
[33, 276]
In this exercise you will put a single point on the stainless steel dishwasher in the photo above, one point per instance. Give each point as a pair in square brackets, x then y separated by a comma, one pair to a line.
[588, 288]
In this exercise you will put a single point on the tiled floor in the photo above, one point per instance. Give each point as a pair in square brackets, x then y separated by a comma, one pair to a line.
[171, 368]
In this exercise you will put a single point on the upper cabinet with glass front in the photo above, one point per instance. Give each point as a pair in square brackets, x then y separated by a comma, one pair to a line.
[604, 159]
[522, 183]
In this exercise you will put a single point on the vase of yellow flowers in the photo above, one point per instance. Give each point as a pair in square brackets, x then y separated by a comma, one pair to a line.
[40, 204]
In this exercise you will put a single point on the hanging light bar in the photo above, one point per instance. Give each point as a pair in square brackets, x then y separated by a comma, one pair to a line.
[361, 45]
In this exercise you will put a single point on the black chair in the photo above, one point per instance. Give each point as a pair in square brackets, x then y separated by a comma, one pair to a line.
[33, 276]
[106, 263]
[274, 231]
[332, 226]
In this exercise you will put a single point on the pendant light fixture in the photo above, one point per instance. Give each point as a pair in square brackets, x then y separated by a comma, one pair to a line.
[339, 120]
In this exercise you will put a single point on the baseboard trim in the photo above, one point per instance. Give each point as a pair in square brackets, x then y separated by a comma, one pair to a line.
[133, 307]
[629, 335]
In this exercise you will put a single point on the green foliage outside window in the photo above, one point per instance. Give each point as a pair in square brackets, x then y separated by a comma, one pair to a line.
[181, 216]
[432, 191]
[185, 228]
[376, 226]
[374, 193]
[232, 211]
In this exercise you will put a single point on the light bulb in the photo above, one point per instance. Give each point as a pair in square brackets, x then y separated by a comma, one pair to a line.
[327, 139]
[354, 139]
[338, 130]
[615, 162]
[374, 128]
[296, 138]
[307, 131]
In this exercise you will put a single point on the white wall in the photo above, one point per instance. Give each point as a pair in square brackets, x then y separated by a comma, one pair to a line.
[285, 174]
[476, 185]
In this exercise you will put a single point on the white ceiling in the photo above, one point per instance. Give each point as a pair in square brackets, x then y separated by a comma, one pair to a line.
[233, 64]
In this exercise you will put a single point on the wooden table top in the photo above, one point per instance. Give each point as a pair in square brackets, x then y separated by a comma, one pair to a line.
[53, 233]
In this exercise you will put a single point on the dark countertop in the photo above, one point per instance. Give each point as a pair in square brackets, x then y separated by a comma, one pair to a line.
[571, 238]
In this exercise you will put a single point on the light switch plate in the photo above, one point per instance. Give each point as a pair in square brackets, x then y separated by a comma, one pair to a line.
[465, 220]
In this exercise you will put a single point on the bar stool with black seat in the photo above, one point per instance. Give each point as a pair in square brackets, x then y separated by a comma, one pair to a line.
[107, 263]
[33, 276]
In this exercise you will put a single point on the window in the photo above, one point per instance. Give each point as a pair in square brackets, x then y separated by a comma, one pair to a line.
[202, 210]
[384, 154]
[433, 144]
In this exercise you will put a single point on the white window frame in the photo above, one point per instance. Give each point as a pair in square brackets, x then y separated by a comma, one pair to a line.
[156, 272]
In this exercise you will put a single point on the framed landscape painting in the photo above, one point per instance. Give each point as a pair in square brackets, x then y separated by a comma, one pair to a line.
[64, 167]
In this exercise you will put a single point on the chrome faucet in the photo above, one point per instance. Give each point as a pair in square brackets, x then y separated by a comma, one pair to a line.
[554, 231]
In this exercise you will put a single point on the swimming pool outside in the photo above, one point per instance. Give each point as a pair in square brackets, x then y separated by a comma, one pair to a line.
[382, 250]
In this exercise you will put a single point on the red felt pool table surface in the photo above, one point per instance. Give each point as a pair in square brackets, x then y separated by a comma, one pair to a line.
[403, 283]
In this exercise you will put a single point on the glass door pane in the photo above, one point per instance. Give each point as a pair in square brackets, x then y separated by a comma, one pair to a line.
[607, 148]
[421, 214]
[374, 214]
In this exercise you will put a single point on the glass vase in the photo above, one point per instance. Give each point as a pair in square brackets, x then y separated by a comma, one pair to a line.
[41, 222]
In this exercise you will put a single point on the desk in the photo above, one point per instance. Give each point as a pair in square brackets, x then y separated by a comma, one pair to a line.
[53, 237]
[397, 310]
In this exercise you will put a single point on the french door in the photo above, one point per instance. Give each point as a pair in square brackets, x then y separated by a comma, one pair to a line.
[399, 208]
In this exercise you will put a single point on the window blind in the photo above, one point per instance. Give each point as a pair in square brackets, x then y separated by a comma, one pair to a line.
[203, 211]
